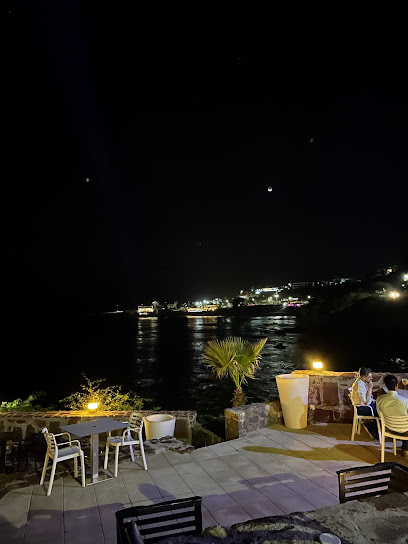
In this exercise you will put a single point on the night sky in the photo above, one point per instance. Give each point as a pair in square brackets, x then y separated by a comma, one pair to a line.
[182, 118]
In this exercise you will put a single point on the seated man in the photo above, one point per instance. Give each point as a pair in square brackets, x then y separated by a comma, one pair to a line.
[362, 397]
[392, 404]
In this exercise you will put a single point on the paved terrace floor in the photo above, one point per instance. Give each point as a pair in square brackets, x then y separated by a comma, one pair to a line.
[271, 472]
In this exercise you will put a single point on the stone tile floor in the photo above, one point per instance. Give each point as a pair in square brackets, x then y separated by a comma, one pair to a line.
[271, 472]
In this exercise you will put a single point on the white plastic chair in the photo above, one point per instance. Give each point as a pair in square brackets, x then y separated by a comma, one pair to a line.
[391, 425]
[135, 423]
[57, 453]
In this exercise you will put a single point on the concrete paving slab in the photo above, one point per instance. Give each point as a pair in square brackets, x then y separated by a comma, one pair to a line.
[271, 472]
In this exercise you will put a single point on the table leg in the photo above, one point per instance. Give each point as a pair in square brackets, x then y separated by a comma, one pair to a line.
[94, 458]
[97, 474]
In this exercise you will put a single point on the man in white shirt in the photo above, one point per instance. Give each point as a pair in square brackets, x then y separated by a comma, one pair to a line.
[362, 397]
[392, 404]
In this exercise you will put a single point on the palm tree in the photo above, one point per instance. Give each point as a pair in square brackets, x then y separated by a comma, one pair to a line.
[235, 358]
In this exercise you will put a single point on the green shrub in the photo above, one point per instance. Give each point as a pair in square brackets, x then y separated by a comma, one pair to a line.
[30, 404]
[108, 398]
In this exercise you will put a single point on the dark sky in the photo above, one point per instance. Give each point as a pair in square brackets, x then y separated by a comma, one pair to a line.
[182, 117]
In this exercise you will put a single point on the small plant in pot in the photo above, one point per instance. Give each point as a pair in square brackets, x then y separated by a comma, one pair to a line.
[235, 358]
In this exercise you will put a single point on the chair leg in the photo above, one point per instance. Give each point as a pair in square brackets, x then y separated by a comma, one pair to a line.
[82, 469]
[105, 463]
[379, 429]
[44, 470]
[395, 446]
[116, 461]
[54, 466]
[132, 455]
[75, 467]
[142, 451]
[353, 429]
[382, 448]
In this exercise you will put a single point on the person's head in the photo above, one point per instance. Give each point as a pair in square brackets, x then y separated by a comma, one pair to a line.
[365, 374]
[391, 382]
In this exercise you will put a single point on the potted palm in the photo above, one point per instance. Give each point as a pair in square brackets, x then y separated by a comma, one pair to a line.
[235, 358]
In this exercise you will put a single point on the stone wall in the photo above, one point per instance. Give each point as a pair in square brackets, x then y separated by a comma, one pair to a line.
[16, 426]
[329, 402]
[329, 399]
[251, 417]
[203, 437]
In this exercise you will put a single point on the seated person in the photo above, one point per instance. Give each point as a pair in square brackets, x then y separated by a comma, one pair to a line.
[392, 404]
[362, 397]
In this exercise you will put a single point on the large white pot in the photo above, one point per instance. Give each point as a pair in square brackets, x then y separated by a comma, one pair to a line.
[294, 395]
[159, 425]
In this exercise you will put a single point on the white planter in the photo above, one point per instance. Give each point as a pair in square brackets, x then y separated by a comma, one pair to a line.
[159, 425]
[294, 395]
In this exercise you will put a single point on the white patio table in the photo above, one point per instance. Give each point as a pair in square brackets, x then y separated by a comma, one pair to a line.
[93, 429]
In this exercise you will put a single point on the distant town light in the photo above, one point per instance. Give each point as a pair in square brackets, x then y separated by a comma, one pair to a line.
[317, 364]
[93, 406]
[405, 277]
[309, 297]
[145, 310]
[394, 294]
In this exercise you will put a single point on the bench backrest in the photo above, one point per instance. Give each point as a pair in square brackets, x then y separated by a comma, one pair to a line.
[379, 479]
[149, 524]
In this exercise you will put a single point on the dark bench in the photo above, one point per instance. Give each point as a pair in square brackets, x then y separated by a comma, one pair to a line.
[139, 524]
[380, 479]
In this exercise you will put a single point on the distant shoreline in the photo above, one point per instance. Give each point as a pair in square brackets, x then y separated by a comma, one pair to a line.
[247, 311]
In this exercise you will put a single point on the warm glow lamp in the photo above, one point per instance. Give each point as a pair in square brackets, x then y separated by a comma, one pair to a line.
[317, 364]
[93, 406]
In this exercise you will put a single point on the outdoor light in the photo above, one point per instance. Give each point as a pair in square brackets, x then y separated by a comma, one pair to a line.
[317, 364]
[394, 294]
[93, 406]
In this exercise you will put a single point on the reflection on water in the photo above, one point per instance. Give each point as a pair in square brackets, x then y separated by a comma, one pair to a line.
[168, 359]
[161, 358]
